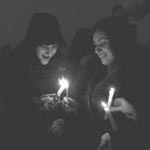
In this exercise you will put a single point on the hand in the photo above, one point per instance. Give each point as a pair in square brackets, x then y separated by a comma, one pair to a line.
[47, 101]
[105, 142]
[70, 105]
[57, 127]
[122, 105]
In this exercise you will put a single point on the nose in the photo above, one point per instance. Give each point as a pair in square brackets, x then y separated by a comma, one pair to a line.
[47, 51]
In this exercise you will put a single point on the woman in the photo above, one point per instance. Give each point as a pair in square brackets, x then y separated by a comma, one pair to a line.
[37, 64]
[115, 45]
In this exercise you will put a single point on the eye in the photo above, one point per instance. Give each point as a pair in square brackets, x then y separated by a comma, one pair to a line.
[98, 49]
[104, 44]
[43, 45]
[54, 46]
[101, 43]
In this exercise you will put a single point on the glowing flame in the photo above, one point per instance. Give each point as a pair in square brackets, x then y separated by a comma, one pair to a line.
[63, 85]
[104, 105]
[112, 90]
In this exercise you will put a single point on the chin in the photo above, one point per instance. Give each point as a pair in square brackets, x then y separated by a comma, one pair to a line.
[44, 62]
[104, 62]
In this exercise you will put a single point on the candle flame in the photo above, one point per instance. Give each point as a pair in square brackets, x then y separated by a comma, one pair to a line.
[104, 105]
[112, 90]
[63, 83]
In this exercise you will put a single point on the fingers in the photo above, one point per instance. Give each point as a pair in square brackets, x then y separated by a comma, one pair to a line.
[118, 101]
[58, 122]
[103, 142]
[105, 138]
[132, 116]
[57, 127]
[68, 99]
[105, 145]
[116, 109]
[57, 130]
[46, 105]
[70, 102]
[47, 97]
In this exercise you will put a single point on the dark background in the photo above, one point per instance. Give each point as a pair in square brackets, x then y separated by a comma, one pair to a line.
[72, 14]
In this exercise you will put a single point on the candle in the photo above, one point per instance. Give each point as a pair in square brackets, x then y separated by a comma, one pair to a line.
[63, 85]
[111, 94]
[108, 115]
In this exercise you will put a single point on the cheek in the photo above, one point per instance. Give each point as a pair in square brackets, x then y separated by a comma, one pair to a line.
[108, 51]
[111, 54]
[41, 54]
[53, 52]
[110, 57]
[40, 51]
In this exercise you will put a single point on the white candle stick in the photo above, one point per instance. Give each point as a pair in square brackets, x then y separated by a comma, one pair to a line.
[110, 98]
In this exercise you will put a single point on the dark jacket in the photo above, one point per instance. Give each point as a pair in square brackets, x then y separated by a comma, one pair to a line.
[125, 78]
[27, 81]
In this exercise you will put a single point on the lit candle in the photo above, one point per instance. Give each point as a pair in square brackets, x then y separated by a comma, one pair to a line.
[108, 115]
[63, 85]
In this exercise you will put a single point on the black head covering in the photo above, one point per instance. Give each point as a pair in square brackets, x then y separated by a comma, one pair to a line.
[44, 29]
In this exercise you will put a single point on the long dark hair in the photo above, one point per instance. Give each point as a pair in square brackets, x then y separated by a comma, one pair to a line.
[81, 44]
[122, 36]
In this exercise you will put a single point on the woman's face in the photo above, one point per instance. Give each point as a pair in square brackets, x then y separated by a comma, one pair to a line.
[103, 48]
[46, 52]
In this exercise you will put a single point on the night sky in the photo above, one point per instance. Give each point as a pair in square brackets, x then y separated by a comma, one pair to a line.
[72, 15]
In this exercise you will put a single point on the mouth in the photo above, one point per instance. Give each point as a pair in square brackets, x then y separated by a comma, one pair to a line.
[45, 57]
[102, 56]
